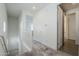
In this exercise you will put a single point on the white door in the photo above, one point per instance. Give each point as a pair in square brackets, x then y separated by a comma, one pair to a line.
[72, 26]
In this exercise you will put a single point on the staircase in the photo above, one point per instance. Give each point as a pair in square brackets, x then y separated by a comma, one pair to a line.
[3, 48]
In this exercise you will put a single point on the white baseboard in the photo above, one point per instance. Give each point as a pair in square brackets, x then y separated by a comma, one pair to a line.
[46, 45]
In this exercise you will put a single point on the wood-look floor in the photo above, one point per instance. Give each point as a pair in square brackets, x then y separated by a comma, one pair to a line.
[70, 47]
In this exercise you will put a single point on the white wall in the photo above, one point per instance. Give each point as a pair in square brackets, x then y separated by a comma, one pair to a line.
[3, 18]
[25, 35]
[72, 26]
[76, 11]
[45, 26]
[13, 36]
[65, 28]
[77, 28]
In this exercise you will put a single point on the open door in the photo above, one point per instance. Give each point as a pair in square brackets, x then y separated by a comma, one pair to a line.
[67, 29]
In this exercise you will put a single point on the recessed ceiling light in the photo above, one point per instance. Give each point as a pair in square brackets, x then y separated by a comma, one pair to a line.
[34, 7]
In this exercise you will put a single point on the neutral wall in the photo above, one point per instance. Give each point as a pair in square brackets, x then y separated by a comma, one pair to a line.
[65, 28]
[72, 26]
[13, 36]
[45, 26]
[77, 28]
[3, 18]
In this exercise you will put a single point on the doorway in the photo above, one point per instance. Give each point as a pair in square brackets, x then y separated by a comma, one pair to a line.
[67, 32]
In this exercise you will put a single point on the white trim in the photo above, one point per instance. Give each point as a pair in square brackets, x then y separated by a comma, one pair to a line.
[45, 44]
[27, 47]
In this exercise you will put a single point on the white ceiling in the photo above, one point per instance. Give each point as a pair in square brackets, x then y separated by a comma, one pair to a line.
[14, 9]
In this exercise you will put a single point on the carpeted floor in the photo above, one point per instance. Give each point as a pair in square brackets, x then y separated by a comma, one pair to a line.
[70, 47]
[42, 50]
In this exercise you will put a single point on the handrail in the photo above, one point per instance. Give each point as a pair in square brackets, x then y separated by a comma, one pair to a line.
[4, 44]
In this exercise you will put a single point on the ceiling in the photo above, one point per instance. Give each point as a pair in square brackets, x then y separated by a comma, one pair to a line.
[14, 9]
[68, 6]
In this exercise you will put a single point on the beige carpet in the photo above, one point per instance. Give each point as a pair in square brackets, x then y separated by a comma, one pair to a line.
[70, 47]
[39, 49]
[42, 50]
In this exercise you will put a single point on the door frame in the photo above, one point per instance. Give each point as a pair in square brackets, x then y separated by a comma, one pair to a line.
[62, 27]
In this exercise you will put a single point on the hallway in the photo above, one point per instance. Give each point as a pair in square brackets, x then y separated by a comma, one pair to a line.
[70, 47]
[27, 27]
